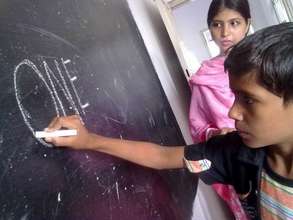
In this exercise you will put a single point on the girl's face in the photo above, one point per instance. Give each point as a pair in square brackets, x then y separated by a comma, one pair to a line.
[228, 27]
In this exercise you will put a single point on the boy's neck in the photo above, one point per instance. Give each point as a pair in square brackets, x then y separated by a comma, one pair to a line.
[280, 159]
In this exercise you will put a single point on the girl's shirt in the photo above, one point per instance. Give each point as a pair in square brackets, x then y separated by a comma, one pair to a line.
[211, 99]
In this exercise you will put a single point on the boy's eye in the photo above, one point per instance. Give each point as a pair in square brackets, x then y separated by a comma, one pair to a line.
[247, 100]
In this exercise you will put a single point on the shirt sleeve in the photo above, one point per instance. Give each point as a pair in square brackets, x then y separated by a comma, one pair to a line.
[213, 160]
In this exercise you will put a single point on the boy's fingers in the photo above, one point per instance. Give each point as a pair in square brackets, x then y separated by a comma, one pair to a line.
[49, 139]
[54, 125]
[227, 130]
[71, 121]
[65, 122]
[74, 117]
[57, 141]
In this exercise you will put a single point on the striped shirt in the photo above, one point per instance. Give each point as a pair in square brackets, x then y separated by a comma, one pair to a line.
[276, 196]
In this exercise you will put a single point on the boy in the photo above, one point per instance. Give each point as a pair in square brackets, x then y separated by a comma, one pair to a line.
[257, 159]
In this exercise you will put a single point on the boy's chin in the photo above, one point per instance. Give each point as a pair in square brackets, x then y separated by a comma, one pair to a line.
[252, 144]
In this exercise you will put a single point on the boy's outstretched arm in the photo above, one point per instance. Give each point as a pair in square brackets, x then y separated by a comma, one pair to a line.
[142, 153]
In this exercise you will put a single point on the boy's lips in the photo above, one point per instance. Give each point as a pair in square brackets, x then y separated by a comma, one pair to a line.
[241, 130]
[243, 134]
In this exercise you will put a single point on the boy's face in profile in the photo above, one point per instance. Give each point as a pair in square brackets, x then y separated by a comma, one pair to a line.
[261, 117]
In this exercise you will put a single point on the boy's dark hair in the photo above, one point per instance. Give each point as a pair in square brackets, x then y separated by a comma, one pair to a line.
[241, 6]
[269, 53]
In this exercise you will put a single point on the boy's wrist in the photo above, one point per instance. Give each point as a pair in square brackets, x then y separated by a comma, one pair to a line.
[92, 142]
[98, 142]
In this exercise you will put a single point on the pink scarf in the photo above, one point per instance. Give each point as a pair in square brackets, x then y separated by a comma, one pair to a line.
[211, 98]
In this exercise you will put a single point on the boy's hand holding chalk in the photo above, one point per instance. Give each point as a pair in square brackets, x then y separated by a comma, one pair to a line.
[67, 132]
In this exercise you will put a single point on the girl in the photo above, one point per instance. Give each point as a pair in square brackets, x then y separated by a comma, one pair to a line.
[228, 22]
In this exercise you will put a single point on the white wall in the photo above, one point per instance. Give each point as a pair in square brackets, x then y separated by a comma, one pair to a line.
[190, 20]
[207, 205]
[262, 13]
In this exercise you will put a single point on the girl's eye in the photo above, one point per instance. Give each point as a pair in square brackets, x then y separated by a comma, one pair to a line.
[216, 24]
[234, 23]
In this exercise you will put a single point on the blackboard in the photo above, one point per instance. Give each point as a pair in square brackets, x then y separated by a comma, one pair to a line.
[63, 57]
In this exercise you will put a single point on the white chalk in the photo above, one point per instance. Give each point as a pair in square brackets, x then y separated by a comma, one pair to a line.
[57, 133]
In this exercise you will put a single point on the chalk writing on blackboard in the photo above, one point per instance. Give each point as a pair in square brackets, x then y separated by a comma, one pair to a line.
[57, 83]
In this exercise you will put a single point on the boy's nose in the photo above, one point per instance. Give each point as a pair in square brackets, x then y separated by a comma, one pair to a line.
[235, 112]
